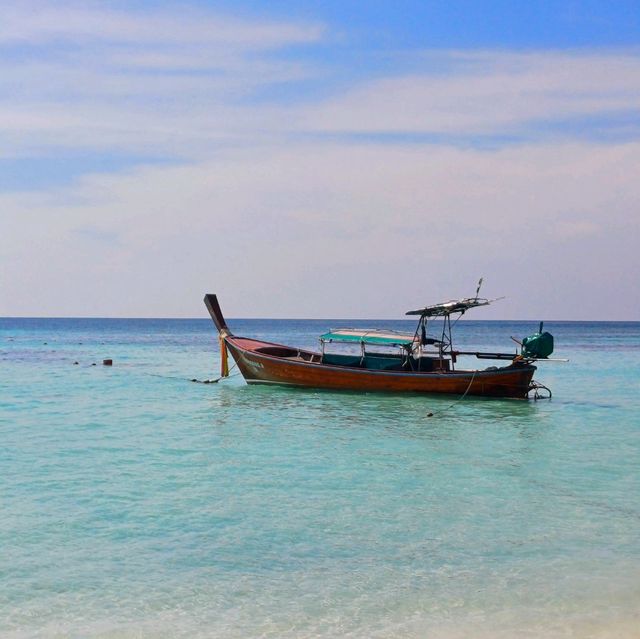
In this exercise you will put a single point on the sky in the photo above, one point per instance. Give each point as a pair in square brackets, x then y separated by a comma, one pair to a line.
[338, 159]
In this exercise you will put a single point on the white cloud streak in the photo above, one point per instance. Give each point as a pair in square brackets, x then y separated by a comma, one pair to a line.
[154, 82]
[91, 23]
[269, 200]
[184, 84]
[487, 93]
[336, 229]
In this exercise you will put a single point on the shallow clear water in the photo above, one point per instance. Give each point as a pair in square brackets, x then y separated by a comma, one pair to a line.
[136, 503]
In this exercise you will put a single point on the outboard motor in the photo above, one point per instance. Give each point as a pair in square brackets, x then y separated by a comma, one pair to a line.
[538, 345]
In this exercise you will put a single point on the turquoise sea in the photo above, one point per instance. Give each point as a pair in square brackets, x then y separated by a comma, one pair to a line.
[135, 503]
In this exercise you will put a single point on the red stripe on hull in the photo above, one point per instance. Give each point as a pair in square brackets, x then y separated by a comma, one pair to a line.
[511, 381]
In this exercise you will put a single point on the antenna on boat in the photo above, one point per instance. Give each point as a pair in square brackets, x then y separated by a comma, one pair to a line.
[479, 285]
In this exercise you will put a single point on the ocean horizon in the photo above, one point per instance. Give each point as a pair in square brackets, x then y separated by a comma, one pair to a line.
[137, 503]
[308, 319]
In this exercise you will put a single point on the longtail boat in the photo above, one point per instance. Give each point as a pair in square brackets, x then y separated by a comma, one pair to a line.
[384, 360]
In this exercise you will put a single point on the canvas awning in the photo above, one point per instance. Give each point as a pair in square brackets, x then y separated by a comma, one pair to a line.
[369, 336]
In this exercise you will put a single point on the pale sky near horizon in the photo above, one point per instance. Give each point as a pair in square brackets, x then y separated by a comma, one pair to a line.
[335, 159]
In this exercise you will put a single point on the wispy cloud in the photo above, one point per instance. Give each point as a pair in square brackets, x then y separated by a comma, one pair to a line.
[336, 224]
[95, 234]
[185, 84]
[78, 77]
[488, 93]
[93, 23]
[383, 184]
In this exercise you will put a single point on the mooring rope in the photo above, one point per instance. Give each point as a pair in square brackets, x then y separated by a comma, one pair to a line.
[215, 381]
[457, 400]
[181, 379]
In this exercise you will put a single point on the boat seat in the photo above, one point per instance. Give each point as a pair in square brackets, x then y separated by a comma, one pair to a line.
[278, 351]
[341, 360]
[382, 362]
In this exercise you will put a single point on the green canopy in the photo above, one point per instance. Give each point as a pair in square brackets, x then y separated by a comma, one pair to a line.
[370, 336]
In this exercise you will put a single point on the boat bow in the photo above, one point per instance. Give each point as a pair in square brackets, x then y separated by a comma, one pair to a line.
[211, 302]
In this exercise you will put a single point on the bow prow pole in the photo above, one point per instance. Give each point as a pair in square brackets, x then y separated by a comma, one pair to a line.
[211, 302]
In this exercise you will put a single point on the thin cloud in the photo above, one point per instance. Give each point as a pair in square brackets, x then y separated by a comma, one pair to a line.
[185, 84]
[169, 81]
[341, 220]
[96, 234]
[267, 185]
[87, 23]
[487, 93]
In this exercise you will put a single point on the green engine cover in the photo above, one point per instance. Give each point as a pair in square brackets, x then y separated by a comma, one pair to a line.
[538, 345]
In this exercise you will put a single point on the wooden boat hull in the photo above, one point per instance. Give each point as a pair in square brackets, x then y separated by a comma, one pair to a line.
[266, 363]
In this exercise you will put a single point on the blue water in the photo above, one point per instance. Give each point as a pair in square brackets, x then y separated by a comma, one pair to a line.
[135, 503]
